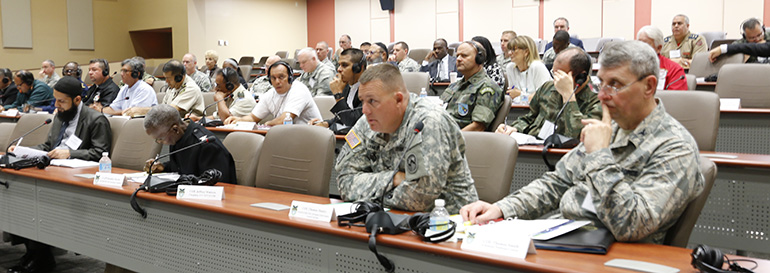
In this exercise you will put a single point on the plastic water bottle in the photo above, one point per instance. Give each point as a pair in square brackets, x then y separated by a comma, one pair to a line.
[439, 217]
[423, 93]
[288, 120]
[105, 164]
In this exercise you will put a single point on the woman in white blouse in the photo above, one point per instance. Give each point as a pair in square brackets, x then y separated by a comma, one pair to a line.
[526, 73]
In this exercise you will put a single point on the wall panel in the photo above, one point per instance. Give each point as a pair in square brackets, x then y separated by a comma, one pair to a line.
[352, 17]
[618, 22]
[736, 11]
[486, 18]
[708, 18]
[415, 23]
[584, 17]
[525, 20]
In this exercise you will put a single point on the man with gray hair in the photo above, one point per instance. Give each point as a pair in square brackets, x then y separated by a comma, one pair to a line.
[322, 50]
[435, 165]
[634, 172]
[48, 73]
[314, 75]
[262, 84]
[164, 124]
[682, 45]
[669, 70]
[562, 23]
[134, 93]
[190, 63]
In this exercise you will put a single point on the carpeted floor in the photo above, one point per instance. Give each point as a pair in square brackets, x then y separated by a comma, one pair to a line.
[65, 263]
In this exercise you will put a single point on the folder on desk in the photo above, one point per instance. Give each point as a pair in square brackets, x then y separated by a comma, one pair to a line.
[587, 239]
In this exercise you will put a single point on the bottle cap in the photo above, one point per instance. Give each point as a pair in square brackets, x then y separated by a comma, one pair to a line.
[439, 202]
[105, 153]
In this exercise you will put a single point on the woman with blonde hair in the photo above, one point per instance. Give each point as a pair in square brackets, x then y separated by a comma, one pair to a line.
[526, 72]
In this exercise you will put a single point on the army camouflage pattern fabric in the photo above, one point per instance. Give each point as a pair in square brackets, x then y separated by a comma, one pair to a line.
[434, 164]
[202, 80]
[474, 99]
[260, 86]
[408, 65]
[545, 105]
[639, 186]
[692, 43]
[503, 62]
[320, 78]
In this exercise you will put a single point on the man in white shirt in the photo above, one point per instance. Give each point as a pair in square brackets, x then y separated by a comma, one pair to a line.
[287, 98]
[182, 93]
[134, 93]
[438, 63]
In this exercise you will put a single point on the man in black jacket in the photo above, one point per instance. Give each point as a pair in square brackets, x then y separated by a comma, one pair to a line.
[347, 109]
[752, 49]
[8, 90]
[164, 125]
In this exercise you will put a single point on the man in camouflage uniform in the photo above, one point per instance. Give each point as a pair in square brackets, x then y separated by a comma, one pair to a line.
[262, 84]
[503, 59]
[400, 57]
[433, 164]
[636, 169]
[191, 68]
[322, 50]
[345, 43]
[682, 44]
[315, 75]
[753, 32]
[550, 98]
[472, 102]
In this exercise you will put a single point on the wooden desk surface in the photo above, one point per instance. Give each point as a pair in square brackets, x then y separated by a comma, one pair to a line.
[522, 107]
[238, 199]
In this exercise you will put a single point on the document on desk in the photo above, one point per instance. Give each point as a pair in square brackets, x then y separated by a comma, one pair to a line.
[525, 139]
[11, 113]
[73, 163]
[241, 125]
[26, 152]
[508, 238]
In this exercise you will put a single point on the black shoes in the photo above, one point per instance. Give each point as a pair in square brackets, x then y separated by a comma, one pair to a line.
[34, 265]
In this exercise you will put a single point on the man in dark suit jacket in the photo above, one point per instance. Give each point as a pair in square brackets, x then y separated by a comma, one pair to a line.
[438, 63]
[8, 90]
[347, 109]
[77, 132]
[561, 23]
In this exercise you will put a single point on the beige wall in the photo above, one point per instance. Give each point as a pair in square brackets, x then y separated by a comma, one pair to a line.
[420, 22]
[252, 28]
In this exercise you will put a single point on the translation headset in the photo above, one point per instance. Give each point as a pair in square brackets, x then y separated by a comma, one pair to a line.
[5, 72]
[78, 71]
[105, 67]
[481, 54]
[288, 70]
[360, 65]
[137, 70]
[751, 20]
[178, 78]
[226, 73]
[707, 259]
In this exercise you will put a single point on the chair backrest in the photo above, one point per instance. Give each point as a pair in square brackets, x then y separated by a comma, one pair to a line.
[86, 79]
[716, 43]
[28, 122]
[296, 158]
[292, 63]
[116, 126]
[590, 44]
[702, 67]
[245, 148]
[158, 86]
[415, 81]
[540, 43]
[454, 45]
[208, 98]
[711, 36]
[692, 82]
[160, 96]
[698, 111]
[679, 234]
[501, 114]
[133, 146]
[749, 82]
[325, 104]
[246, 60]
[491, 159]
[150, 69]
[282, 54]
[246, 71]
[604, 41]
[262, 61]
[418, 54]
[6, 128]
[158, 71]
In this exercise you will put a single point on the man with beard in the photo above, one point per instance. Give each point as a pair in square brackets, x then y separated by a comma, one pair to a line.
[378, 53]
[77, 132]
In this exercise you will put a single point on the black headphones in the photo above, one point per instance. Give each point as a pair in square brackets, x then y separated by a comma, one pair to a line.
[134, 74]
[743, 26]
[288, 69]
[105, 67]
[226, 72]
[178, 78]
[78, 71]
[3, 73]
[360, 65]
[481, 54]
[362, 209]
[707, 259]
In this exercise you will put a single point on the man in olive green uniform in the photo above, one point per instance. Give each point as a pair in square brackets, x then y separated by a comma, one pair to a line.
[553, 95]
[474, 100]
[682, 45]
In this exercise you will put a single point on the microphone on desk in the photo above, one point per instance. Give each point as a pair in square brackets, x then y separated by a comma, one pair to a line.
[669, 84]
[383, 222]
[148, 181]
[203, 120]
[5, 160]
[556, 140]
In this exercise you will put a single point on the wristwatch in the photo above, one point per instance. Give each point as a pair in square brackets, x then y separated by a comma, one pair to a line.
[338, 96]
